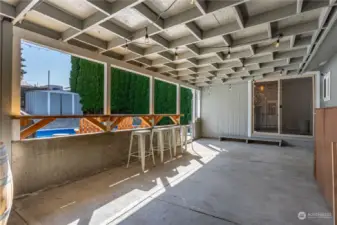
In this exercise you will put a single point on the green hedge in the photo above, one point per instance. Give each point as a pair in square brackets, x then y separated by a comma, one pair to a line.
[129, 92]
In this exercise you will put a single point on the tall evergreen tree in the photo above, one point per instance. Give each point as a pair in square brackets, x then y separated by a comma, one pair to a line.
[129, 91]
[23, 72]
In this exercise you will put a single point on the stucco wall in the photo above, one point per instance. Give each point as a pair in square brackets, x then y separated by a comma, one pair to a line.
[331, 66]
[224, 111]
[41, 163]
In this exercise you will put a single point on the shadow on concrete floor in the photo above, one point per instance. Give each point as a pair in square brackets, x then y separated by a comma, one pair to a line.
[213, 183]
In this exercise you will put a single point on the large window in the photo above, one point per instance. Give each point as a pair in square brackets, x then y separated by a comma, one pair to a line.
[58, 84]
[265, 107]
[165, 100]
[186, 97]
[129, 92]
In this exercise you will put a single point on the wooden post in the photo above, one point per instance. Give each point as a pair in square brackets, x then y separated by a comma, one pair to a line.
[334, 180]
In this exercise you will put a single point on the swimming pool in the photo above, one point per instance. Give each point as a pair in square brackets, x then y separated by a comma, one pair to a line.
[52, 132]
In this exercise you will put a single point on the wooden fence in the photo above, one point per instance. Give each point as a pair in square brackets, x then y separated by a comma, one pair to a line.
[325, 139]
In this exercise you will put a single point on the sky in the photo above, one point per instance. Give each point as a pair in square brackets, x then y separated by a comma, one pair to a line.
[39, 60]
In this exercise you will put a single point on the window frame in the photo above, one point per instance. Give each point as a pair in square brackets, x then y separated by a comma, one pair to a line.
[326, 86]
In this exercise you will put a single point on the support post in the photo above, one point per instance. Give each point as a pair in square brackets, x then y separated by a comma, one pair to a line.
[178, 101]
[279, 106]
[194, 106]
[151, 99]
[250, 108]
[198, 103]
[107, 93]
[107, 89]
[10, 71]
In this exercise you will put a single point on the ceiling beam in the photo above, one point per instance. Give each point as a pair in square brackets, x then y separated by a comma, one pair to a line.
[194, 29]
[7, 10]
[119, 31]
[99, 17]
[201, 5]
[183, 17]
[271, 16]
[299, 4]
[150, 15]
[90, 55]
[239, 17]
[161, 41]
[95, 42]
[23, 8]
[59, 15]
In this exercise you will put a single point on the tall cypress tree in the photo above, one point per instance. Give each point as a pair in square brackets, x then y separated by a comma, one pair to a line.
[129, 91]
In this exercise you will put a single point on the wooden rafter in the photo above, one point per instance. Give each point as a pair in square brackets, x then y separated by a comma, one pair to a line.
[146, 120]
[102, 122]
[36, 126]
[157, 119]
[96, 123]
[175, 119]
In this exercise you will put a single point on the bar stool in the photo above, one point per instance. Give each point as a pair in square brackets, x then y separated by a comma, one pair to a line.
[184, 129]
[163, 144]
[175, 135]
[141, 153]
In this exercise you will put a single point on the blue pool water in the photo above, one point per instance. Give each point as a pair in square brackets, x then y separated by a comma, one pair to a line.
[51, 132]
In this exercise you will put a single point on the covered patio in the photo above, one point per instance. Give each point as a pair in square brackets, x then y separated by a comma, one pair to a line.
[213, 183]
[257, 74]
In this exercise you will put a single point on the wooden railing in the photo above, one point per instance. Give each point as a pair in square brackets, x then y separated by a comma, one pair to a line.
[93, 123]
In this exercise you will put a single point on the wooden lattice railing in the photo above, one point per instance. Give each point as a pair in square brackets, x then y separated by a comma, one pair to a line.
[93, 123]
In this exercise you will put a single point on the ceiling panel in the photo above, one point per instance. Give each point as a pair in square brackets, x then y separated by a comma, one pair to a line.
[120, 50]
[130, 19]
[221, 17]
[248, 32]
[159, 6]
[12, 2]
[255, 7]
[218, 41]
[299, 19]
[175, 32]
[79, 8]
[45, 21]
[101, 33]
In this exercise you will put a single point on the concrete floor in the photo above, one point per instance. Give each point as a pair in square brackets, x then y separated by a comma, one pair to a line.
[215, 183]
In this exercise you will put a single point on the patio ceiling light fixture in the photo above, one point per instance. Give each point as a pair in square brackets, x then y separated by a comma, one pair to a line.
[277, 43]
[147, 40]
[126, 46]
[229, 53]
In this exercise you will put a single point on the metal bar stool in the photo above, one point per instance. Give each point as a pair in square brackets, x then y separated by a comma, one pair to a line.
[141, 153]
[184, 130]
[163, 144]
[175, 135]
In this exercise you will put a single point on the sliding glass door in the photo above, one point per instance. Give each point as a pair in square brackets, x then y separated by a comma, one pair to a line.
[297, 106]
[283, 106]
[265, 107]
